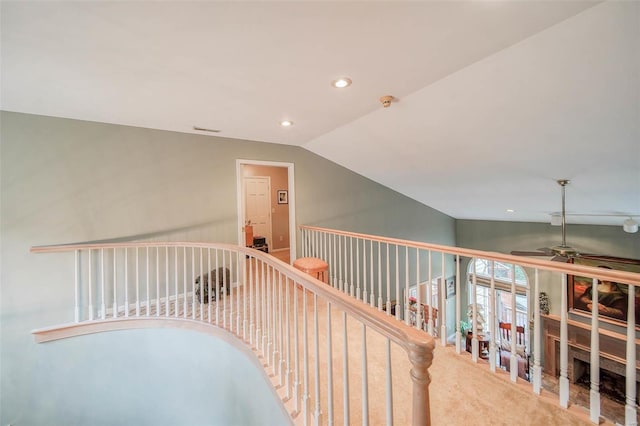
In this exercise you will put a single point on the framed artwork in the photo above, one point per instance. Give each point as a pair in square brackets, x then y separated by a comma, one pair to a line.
[450, 284]
[283, 196]
[613, 299]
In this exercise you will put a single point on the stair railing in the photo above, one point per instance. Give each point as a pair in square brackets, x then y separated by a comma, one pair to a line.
[261, 301]
[408, 280]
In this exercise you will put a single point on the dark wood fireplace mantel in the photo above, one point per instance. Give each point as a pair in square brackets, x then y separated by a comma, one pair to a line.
[613, 346]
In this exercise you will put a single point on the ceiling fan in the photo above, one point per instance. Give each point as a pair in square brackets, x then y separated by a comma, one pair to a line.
[563, 252]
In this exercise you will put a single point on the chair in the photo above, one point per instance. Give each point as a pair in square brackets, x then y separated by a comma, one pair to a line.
[504, 348]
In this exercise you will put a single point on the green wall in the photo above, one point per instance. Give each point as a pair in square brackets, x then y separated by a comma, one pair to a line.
[65, 181]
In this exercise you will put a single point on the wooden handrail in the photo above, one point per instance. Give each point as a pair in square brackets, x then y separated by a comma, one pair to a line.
[406, 336]
[567, 268]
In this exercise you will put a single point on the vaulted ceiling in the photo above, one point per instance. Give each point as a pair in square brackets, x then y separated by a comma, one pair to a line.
[494, 100]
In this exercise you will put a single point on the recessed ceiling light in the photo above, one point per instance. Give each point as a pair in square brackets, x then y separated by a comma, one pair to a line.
[286, 123]
[341, 83]
[510, 210]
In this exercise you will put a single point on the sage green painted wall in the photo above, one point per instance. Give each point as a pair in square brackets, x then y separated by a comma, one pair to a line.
[65, 181]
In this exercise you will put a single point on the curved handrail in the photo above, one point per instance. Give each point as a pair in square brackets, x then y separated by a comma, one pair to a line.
[568, 268]
[404, 335]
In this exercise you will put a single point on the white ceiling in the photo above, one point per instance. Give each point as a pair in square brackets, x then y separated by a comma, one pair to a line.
[495, 100]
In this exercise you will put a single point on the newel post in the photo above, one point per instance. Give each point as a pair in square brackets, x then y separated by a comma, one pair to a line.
[421, 357]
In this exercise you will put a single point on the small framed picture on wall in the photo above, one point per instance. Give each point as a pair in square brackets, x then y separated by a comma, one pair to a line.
[283, 196]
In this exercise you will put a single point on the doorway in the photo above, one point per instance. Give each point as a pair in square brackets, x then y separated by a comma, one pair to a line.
[267, 187]
[257, 206]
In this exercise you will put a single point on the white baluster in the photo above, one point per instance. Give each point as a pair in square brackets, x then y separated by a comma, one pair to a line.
[230, 292]
[184, 279]
[388, 307]
[209, 285]
[365, 288]
[193, 282]
[329, 368]
[251, 304]
[334, 274]
[537, 334]
[245, 293]
[281, 348]
[305, 358]
[379, 277]
[216, 284]
[157, 281]
[115, 286]
[345, 279]
[269, 313]
[407, 316]
[223, 293]
[443, 304]
[345, 369]
[202, 285]
[631, 408]
[126, 282]
[336, 261]
[318, 412]
[429, 301]
[398, 298]
[564, 352]
[274, 322]
[594, 393]
[389, 387]
[103, 306]
[305, 242]
[492, 321]
[418, 292]
[474, 313]
[365, 379]
[340, 277]
[296, 358]
[166, 278]
[77, 287]
[148, 267]
[237, 292]
[458, 298]
[264, 326]
[176, 304]
[513, 367]
[352, 289]
[372, 293]
[137, 283]
[287, 312]
[259, 301]
[357, 267]
[90, 285]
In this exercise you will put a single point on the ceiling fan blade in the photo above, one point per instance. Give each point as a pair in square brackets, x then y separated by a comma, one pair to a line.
[529, 253]
[547, 251]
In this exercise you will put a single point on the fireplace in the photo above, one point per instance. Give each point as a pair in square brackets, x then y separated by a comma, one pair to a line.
[612, 385]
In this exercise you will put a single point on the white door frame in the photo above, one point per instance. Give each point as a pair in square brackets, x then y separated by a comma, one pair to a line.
[292, 200]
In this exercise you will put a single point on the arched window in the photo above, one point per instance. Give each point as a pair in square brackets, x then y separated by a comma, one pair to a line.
[502, 274]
